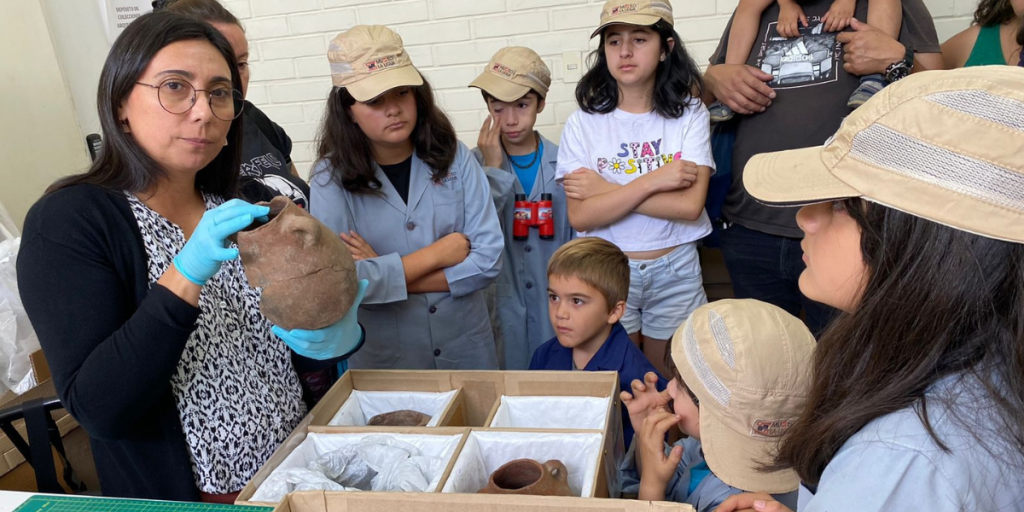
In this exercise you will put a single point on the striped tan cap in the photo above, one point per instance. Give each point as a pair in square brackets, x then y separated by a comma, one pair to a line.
[370, 60]
[749, 365]
[947, 146]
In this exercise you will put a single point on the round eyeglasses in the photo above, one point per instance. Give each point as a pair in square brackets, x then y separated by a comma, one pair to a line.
[178, 96]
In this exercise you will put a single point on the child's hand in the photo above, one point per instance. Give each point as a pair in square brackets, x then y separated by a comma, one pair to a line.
[673, 176]
[839, 15]
[757, 501]
[489, 142]
[791, 16]
[656, 467]
[451, 249]
[644, 400]
[357, 246]
[583, 183]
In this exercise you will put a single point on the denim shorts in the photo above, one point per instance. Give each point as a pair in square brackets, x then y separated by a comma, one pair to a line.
[663, 292]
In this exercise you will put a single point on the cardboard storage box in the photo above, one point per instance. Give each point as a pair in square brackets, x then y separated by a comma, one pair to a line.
[479, 400]
[15, 473]
[451, 415]
[423, 502]
[486, 450]
[443, 442]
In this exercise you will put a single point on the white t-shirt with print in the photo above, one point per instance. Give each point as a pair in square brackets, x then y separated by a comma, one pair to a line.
[621, 147]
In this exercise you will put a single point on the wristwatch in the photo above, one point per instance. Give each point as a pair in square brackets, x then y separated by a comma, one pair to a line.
[901, 68]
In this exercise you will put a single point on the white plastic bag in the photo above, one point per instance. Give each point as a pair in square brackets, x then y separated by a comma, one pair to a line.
[345, 467]
[289, 480]
[17, 338]
[399, 465]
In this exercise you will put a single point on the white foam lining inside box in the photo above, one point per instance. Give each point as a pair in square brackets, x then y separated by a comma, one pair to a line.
[552, 412]
[484, 452]
[361, 406]
[315, 445]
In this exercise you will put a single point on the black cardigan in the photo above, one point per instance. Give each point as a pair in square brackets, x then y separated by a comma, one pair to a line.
[112, 343]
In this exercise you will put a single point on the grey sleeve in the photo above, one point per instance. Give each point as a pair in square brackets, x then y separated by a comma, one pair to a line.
[878, 476]
[718, 57]
[918, 30]
[481, 267]
[499, 181]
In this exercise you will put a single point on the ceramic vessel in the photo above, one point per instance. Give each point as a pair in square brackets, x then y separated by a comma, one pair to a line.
[526, 476]
[306, 272]
[402, 418]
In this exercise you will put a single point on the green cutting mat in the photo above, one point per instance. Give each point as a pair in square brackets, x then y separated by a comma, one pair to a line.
[68, 504]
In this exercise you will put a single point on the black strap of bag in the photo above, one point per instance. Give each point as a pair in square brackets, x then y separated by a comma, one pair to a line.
[42, 433]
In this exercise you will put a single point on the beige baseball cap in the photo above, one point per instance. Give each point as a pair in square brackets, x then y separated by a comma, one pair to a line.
[749, 364]
[640, 12]
[947, 146]
[512, 73]
[370, 60]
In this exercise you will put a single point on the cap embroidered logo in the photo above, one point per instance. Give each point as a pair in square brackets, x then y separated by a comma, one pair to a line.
[503, 70]
[382, 63]
[770, 428]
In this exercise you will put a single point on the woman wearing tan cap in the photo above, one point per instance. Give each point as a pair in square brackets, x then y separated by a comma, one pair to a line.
[914, 228]
[413, 205]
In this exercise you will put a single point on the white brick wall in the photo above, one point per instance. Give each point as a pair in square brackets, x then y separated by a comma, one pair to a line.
[449, 41]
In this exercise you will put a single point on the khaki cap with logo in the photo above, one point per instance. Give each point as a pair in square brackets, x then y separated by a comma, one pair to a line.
[749, 364]
[370, 60]
[642, 12]
[947, 146]
[512, 73]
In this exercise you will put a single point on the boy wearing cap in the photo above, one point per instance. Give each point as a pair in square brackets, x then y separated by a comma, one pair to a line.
[520, 163]
[740, 376]
[588, 280]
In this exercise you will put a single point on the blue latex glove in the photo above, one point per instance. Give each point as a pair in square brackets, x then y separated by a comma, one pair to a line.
[204, 252]
[332, 341]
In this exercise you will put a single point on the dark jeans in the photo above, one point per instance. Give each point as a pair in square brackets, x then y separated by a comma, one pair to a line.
[767, 268]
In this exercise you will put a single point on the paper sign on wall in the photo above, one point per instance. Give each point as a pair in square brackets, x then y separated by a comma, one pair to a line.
[118, 14]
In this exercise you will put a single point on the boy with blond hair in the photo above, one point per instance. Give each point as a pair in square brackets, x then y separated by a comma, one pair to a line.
[588, 281]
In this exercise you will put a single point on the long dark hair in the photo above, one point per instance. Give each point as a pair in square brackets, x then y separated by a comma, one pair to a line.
[210, 11]
[993, 12]
[350, 155]
[938, 302]
[677, 80]
[122, 164]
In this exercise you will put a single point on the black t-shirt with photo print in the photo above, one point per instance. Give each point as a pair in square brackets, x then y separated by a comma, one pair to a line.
[266, 156]
[812, 89]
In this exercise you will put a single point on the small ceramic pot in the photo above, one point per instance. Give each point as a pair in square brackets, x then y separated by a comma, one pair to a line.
[402, 418]
[526, 476]
[306, 272]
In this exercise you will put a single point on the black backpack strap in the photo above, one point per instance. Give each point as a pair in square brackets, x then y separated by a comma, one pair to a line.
[42, 433]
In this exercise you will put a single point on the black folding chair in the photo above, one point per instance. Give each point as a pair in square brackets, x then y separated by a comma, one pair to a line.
[42, 434]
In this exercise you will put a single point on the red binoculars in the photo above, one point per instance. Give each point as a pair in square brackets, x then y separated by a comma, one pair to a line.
[533, 213]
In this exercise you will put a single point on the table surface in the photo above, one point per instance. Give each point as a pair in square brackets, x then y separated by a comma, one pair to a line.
[10, 501]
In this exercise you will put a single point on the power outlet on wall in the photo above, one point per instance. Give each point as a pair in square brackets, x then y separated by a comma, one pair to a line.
[572, 66]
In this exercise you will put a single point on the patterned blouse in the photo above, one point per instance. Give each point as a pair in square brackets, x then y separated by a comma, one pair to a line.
[237, 393]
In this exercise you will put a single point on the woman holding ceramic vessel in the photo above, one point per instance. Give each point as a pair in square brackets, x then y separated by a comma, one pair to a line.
[913, 229]
[156, 342]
